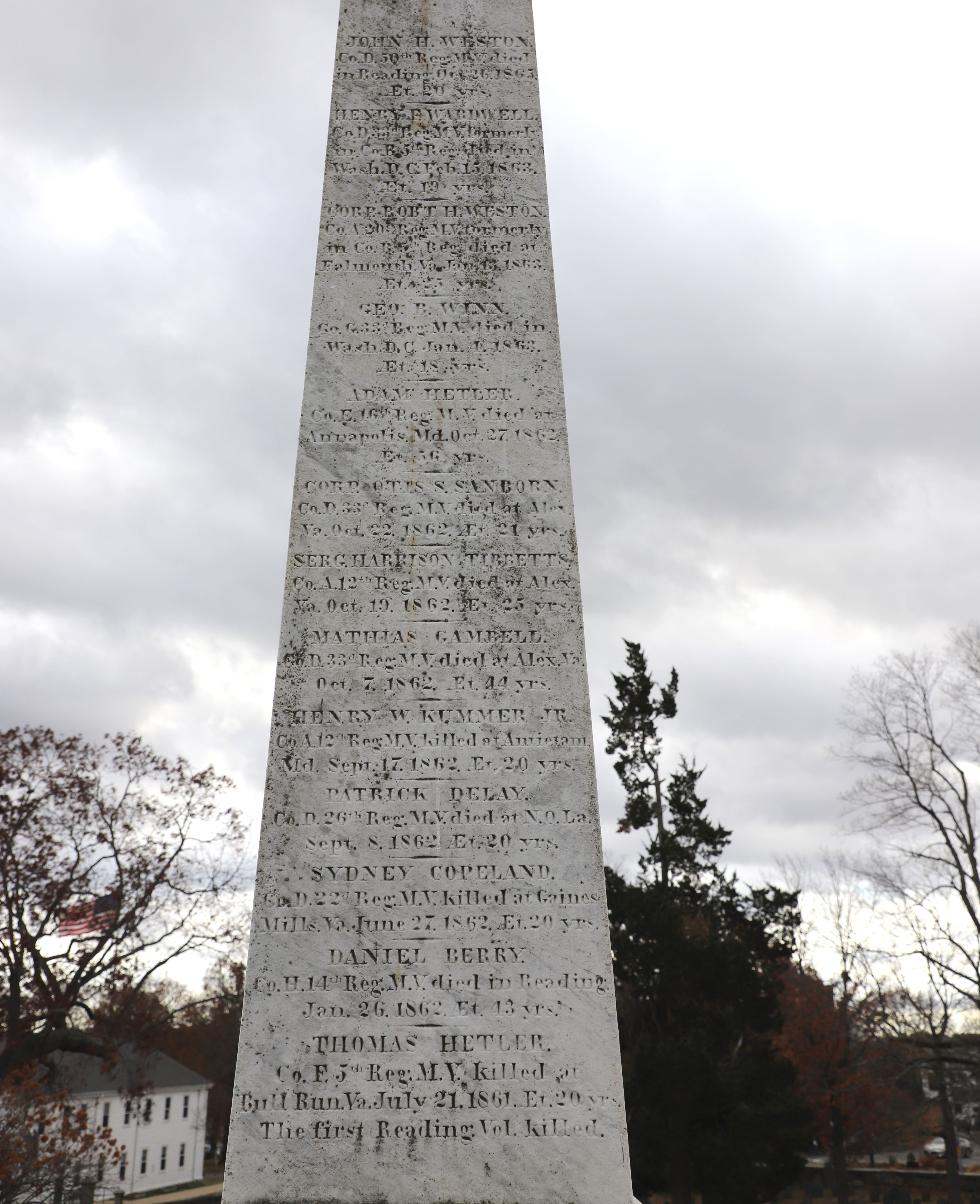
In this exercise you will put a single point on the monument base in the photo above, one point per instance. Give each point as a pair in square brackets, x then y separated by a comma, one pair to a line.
[389, 1200]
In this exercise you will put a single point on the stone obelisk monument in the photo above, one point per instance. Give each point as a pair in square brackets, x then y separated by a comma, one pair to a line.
[429, 1012]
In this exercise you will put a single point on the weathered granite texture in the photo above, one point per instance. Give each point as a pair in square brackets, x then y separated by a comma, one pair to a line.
[429, 1012]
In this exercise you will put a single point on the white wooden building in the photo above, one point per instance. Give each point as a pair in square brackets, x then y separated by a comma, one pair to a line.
[155, 1109]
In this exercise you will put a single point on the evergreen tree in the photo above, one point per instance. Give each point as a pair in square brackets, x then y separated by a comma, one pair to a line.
[699, 959]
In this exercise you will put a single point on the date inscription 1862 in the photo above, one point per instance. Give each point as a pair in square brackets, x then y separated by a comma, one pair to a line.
[429, 1012]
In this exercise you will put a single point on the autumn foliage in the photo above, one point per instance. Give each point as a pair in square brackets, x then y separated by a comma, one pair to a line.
[114, 862]
[46, 1144]
[854, 1079]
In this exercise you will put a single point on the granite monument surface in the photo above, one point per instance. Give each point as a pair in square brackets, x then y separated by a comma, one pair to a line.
[429, 1012]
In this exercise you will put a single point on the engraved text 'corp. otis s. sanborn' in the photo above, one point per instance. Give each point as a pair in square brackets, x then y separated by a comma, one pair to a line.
[429, 1010]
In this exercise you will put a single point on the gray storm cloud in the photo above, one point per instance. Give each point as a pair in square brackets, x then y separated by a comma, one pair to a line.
[767, 285]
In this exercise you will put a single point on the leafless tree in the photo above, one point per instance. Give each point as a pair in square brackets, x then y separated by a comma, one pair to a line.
[114, 862]
[922, 1012]
[914, 725]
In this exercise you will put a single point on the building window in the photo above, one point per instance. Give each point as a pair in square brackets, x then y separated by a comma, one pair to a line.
[100, 1173]
[166, 1108]
[143, 1162]
[122, 1168]
[163, 1158]
[180, 1154]
[128, 1112]
[187, 1106]
[147, 1109]
[105, 1116]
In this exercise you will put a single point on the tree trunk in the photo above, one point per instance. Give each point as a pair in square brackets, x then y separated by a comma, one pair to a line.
[838, 1156]
[680, 1182]
[659, 812]
[952, 1157]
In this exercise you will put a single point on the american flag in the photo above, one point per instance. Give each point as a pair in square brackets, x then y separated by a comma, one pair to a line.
[84, 918]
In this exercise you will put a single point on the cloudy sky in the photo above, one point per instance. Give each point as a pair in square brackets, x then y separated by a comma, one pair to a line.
[768, 268]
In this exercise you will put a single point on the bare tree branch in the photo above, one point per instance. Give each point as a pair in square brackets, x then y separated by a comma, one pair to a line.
[138, 849]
